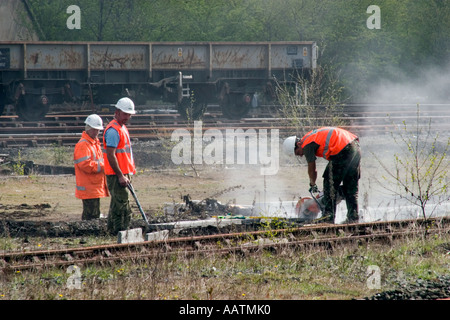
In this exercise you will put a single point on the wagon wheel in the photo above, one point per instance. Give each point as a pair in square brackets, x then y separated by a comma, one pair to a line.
[2, 102]
[190, 109]
[235, 106]
[30, 108]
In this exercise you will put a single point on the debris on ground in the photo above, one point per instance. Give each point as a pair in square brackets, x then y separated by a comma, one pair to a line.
[434, 289]
[199, 208]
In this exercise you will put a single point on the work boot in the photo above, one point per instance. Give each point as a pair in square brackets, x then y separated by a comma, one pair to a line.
[327, 218]
[351, 220]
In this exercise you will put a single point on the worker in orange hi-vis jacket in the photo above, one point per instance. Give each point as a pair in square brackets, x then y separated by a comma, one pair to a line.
[90, 169]
[342, 151]
[119, 165]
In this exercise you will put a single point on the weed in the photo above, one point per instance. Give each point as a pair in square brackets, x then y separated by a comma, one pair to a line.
[309, 274]
[19, 165]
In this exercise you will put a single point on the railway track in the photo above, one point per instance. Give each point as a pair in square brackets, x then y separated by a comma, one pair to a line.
[320, 235]
[65, 129]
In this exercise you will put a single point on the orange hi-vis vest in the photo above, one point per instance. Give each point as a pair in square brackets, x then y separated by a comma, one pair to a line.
[124, 153]
[89, 169]
[331, 140]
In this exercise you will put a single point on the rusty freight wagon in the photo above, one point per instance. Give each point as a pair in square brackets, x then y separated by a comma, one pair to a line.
[191, 75]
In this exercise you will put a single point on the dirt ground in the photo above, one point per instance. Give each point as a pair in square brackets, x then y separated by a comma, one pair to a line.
[52, 198]
[158, 182]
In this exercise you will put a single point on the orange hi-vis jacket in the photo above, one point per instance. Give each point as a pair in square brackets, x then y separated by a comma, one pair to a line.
[89, 169]
[331, 140]
[124, 154]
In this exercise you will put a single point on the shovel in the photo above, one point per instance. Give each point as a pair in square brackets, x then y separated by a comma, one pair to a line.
[130, 187]
[133, 235]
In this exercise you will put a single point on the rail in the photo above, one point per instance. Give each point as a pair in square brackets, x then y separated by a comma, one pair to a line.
[65, 129]
[300, 238]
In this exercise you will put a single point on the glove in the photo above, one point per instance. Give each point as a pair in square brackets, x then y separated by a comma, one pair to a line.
[313, 188]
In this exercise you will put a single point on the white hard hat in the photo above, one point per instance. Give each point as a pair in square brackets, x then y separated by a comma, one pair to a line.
[126, 105]
[94, 121]
[289, 145]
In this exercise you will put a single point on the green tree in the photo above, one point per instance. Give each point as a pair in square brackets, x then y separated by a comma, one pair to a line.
[413, 35]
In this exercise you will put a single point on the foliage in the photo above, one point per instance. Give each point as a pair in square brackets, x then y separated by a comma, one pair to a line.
[61, 155]
[19, 165]
[413, 35]
[266, 275]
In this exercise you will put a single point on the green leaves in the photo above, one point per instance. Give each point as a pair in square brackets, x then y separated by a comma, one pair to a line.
[413, 32]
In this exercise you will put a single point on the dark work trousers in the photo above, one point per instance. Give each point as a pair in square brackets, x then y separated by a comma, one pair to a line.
[91, 209]
[343, 168]
[119, 215]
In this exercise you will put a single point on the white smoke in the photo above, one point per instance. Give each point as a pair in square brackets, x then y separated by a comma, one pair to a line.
[430, 86]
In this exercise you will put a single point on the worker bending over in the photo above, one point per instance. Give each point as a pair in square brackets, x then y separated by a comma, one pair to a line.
[341, 148]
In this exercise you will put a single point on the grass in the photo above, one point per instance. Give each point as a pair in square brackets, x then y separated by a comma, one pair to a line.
[288, 275]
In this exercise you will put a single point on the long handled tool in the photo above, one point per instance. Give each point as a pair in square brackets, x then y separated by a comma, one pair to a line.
[130, 187]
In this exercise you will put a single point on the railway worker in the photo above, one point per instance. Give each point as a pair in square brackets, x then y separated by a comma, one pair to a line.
[89, 169]
[341, 148]
[119, 165]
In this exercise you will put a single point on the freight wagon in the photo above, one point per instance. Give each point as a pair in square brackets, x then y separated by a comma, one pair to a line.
[191, 75]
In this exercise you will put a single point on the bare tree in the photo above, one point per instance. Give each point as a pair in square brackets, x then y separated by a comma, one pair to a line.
[314, 101]
[420, 173]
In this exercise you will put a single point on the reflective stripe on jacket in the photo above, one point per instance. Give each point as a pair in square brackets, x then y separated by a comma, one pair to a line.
[89, 169]
[331, 140]
[124, 154]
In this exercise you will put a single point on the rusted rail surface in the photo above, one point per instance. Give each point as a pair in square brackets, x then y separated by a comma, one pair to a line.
[65, 129]
[322, 235]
